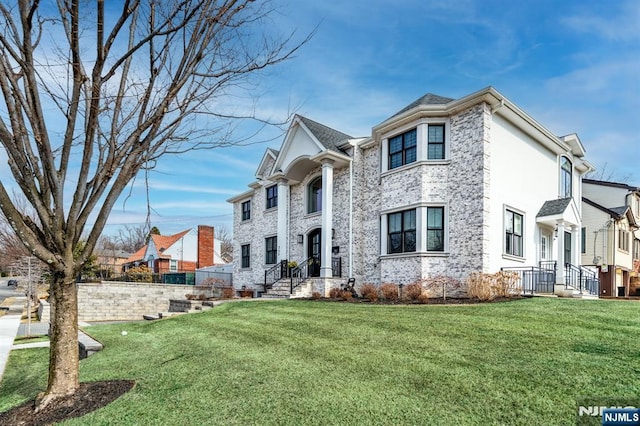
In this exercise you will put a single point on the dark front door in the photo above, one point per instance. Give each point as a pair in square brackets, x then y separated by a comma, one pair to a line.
[313, 251]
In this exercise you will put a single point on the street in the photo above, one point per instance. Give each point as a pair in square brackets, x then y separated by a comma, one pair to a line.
[6, 291]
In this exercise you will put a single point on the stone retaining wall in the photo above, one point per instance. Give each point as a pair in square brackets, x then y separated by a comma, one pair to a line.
[113, 301]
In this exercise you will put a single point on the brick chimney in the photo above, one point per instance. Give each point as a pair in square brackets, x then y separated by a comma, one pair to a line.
[205, 246]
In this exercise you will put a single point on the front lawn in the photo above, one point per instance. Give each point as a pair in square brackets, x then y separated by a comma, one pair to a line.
[306, 363]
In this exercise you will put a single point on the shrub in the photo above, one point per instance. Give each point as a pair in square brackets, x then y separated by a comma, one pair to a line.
[139, 274]
[484, 286]
[413, 291]
[442, 285]
[423, 298]
[335, 293]
[228, 293]
[389, 291]
[507, 284]
[190, 296]
[369, 291]
[315, 295]
[347, 295]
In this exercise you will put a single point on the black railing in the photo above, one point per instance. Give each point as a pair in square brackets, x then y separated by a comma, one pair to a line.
[532, 279]
[581, 279]
[303, 271]
[275, 273]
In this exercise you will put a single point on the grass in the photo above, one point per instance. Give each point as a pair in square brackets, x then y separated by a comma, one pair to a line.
[312, 363]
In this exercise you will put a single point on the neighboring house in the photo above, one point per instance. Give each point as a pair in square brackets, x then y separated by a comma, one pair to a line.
[110, 261]
[185, 251]
[611, 233]
[443, 187]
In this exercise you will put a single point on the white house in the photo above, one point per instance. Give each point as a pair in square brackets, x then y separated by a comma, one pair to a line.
[611, 232]
[443, 187]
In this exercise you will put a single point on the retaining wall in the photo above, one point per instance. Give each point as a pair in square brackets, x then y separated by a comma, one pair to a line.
[112, 301]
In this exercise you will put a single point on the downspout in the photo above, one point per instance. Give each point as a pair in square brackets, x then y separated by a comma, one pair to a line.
[351, 213]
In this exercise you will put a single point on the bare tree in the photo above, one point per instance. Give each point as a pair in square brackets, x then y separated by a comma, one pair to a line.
[132, 238]
[11, 248]
[605, 174]
[85, 111]
[226, 243]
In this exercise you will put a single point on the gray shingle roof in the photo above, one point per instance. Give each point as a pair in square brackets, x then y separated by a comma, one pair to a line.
[428, 99]
[620, 211]
[328, 137]
[554, 207]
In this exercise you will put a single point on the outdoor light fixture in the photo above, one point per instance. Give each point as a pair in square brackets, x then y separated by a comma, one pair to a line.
[300, 238]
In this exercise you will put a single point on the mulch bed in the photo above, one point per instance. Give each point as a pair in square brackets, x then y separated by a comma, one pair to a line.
[89, 397]
[429, 301]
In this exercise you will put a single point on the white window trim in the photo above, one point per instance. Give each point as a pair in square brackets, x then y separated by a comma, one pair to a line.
[308, 181]
[251, 203]
[506, 255]
[421, 144]
[421, 230]
[250, 257]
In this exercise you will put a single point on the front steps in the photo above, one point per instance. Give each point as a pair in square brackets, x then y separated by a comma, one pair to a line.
[281, 290]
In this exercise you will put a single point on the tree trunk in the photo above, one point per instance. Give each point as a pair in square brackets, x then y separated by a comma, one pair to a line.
[63, 354]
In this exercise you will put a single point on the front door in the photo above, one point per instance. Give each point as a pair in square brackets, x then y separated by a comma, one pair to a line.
[313, 251]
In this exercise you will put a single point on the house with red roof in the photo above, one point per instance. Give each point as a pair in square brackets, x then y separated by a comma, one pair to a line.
[185, 251]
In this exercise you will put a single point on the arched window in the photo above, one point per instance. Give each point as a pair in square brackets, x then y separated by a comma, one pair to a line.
[314, 195]
[565, 177]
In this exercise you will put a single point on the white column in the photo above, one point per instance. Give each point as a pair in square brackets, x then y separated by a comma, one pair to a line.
[560, 257]
[283, 220]
[327, 219]
[421, 226]
[576, 241]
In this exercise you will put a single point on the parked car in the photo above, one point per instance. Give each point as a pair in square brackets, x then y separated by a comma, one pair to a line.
[12, 283]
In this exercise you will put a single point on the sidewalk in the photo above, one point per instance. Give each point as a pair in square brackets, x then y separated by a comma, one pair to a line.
[9, 324]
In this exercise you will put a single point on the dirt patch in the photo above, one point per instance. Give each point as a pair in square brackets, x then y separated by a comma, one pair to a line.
[89, 397]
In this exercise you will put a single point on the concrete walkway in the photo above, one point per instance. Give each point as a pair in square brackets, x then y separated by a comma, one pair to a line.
[9, 324]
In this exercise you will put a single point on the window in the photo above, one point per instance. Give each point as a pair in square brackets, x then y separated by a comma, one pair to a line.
[402, 149]
[246, 210]
[272, 196]
[583, 241]
[636, 248]
[402, 232]
[565, 177]
[435, 228]
[271, 250]
[623, 240]
[513, 233]
[314, 194]
[245, 255]
[435, 143]
[543, 247]
[173, 265]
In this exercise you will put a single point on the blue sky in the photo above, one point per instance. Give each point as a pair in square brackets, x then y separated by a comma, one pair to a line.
[572, 65]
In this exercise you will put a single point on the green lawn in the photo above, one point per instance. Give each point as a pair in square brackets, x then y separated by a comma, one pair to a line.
[305, 363]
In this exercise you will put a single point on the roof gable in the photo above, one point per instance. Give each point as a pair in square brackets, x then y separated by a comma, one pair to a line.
[306, 139]
[160, 243]
[265, 168]
[554, 207]
[328, 137]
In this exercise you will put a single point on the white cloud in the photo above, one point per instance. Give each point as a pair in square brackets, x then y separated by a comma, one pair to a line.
[624, 25]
